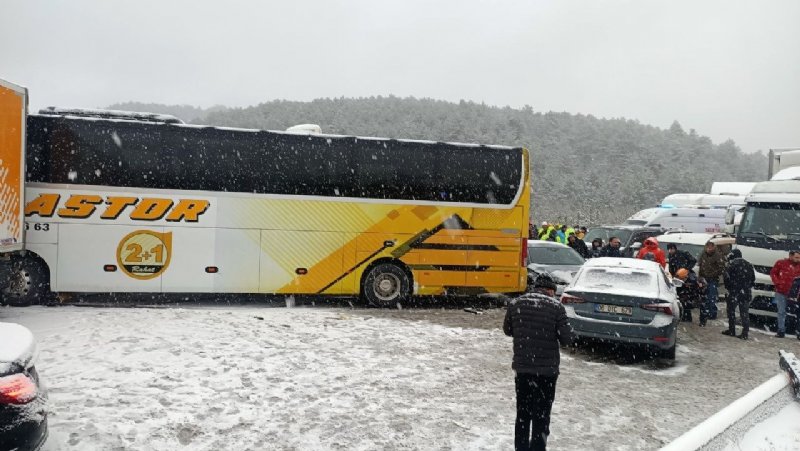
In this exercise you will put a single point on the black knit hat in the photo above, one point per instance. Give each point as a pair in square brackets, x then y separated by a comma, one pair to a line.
[545, 280]
[672, 246]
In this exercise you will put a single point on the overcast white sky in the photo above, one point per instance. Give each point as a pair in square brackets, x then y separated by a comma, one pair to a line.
[729, 69]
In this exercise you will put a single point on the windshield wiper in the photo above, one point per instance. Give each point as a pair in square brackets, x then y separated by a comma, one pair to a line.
[777, 240]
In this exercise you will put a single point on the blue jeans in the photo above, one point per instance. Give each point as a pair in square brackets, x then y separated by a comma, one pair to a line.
[712, 296]
[780, 303]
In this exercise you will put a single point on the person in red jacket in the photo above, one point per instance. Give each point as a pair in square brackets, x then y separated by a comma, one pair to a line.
[651, 247]
[783, 274]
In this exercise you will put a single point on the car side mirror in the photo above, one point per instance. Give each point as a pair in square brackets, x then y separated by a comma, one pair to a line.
[677, 282]
[636, 246]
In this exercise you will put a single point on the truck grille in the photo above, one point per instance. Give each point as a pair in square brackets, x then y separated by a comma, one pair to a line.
[764, 287]
[763, 269]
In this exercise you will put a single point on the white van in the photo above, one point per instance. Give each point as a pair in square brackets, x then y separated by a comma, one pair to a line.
[722, 200]
[688, 219]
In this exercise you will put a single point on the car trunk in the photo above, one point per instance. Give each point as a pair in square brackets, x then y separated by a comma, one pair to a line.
[17, 348]
[615, 307]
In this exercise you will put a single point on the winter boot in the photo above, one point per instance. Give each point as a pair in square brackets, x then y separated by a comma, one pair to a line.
[742, 336]
[780, 335]
[730, 333]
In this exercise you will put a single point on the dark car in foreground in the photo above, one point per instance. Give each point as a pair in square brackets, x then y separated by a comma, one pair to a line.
[23, 403]
[624, 300]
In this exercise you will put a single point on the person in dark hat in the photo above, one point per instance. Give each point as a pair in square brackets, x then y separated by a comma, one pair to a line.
[679, 259]
[739, 279]
[538, 322]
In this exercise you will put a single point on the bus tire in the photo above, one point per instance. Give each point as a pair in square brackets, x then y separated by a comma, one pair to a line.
[386, 285]
[28, 284]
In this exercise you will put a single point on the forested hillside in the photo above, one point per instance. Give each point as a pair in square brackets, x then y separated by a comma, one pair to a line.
[585, 169]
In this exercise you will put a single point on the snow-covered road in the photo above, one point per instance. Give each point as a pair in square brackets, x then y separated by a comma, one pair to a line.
[212, 378]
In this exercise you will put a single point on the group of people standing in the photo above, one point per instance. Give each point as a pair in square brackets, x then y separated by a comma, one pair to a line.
[573, 237]
[701, 290]
[555, 232]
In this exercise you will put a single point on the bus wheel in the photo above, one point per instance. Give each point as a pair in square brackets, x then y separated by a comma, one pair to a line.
[386, 285]
[28, 283]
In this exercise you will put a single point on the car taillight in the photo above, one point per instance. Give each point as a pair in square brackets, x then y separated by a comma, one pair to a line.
[569, 299]
[662, 307]
[17, 389]
[523, 256]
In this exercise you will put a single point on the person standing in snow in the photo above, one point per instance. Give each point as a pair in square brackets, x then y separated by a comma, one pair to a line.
[679, 259]
[561, 235]
[712, 265]
[597, 248]
[651, 247]
[612, 248]
[691, 295]
[578, 245]
[538, 323]
[783, 274]
[739, 278]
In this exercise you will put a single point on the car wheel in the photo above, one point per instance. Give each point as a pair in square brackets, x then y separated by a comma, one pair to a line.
[386, 285]
[28, 283]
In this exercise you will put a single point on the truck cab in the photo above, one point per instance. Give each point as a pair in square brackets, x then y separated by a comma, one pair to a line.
[769, 229]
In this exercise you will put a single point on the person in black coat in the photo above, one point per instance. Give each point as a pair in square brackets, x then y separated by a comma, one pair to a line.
[538, 322]
[612, 248]
[679, 259]
[597, 248]
[578, 245]
[739, 279]
[690, 295]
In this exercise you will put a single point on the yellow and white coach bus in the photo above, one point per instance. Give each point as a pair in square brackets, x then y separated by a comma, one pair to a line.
[144, 203]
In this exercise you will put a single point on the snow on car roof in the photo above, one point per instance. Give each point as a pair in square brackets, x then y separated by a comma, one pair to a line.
[540, 243]
[622, 263]
[17, 345]
[691, 238]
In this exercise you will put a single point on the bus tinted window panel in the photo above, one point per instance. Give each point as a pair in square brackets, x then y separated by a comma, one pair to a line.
[150, 155]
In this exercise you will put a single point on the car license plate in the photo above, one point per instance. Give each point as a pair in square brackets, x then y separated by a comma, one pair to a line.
[614, 309]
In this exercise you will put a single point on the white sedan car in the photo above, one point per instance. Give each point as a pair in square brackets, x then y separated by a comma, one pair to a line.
[624, 300]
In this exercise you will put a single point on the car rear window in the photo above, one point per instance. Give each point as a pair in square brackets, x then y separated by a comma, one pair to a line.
[617, 279]
[555, 255]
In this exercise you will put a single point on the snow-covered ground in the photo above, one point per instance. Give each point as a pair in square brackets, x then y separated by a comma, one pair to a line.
[322, 378]
[778, 432]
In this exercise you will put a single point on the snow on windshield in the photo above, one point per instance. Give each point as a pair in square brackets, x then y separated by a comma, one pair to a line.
[617, 278]
[772, 218]
[554, 255]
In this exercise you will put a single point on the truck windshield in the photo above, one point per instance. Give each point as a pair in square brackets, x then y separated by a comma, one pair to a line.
[775, 220]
